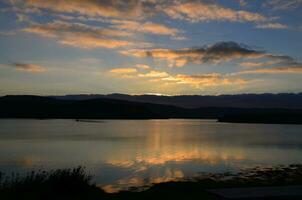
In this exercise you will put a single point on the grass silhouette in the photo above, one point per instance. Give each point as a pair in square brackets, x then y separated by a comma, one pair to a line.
[76, 184]
[56, 184]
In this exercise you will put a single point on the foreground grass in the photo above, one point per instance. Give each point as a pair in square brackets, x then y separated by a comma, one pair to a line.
[56, 184]
[76, 184]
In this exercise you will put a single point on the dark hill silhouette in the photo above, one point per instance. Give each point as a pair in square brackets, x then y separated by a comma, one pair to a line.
[24, 106]
[45, 107]
[284, 100]
[103, 108]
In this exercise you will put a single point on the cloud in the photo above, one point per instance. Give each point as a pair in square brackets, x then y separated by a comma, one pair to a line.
[28, 67]
[60, 28]
[282, 4]
[138, 10]
[257, 64]
[193, 11]
[154, 74]
[123, 70]
[199, 11]
[90, 42]
[276, 70]
[134, 71]
[18, 7]
[103, 8]
[283, 59]
[204, 80]
[217, 53]
[195, 81]
[210, 54]
[80, 35]
[142, 66]
[147, 27]
[272, 26]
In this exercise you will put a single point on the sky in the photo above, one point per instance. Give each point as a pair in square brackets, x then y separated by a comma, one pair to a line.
[165, 47]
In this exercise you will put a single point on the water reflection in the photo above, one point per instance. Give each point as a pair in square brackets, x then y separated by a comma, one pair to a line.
[132, 153]
[165, 164]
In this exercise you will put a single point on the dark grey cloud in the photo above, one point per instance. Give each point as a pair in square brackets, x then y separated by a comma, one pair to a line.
[217, 53]
[211, 54]
[226, 51]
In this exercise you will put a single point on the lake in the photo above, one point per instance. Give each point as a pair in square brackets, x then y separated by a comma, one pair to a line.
[124, 153]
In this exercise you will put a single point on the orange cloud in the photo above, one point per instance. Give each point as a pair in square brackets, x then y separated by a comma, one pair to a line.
[154, 74]
[147, 27]
[92, 42]
[193, 11]
[142, 66]
[204, 80]
[199, 11]
[108, 8]
[195, 81]
[80, 35]
[123, 70]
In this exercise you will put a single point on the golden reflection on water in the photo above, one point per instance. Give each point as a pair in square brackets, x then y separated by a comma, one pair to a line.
[169, 175]
[160, 150]
[162, 157]
[126, 153]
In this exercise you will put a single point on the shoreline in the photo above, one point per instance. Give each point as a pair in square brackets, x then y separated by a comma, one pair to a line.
[101, 120]
[76, 184]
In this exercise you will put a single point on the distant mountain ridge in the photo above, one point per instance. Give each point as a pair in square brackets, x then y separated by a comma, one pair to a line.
[282, 100]
[38, 107]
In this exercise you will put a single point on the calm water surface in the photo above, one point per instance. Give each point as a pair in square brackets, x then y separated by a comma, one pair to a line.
[124, 153]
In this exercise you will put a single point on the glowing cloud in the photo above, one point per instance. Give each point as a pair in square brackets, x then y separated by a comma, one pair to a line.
[204, 80]
[195, 81]
[123, 70]
[199, 11]
[142, 66]
[154, 74]
[106, 8]
[79, 35]
[147, 27]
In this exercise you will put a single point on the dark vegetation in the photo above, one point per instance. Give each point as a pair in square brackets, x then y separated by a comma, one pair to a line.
[57, 184]
[283, 100]
[103, 108]
[276, 117]
[76, 184]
